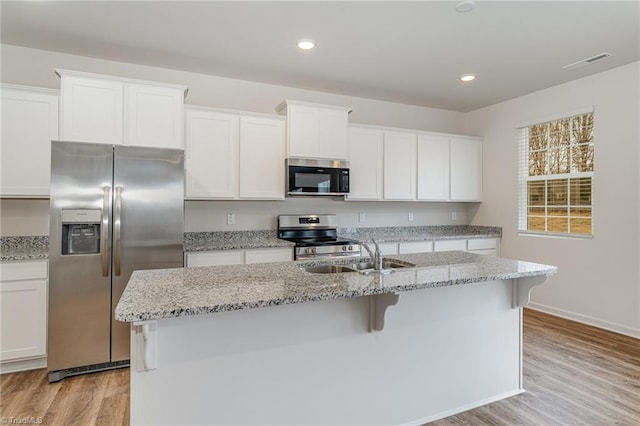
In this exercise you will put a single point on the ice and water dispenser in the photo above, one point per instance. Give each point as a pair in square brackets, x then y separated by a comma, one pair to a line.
[81, 231]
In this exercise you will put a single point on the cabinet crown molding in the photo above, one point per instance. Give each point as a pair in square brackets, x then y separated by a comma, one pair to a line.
[71, 73]
[282, 106]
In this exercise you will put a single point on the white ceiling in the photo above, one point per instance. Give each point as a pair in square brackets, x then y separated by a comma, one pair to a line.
[407, 52]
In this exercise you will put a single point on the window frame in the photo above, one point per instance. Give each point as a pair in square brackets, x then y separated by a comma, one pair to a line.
[524, 178]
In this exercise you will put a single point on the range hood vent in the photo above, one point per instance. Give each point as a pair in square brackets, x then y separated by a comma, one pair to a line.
[587, 61]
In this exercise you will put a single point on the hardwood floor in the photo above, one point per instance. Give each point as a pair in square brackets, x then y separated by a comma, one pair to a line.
[91, 399]
[573, 374]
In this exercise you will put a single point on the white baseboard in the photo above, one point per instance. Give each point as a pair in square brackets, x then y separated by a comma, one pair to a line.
[23, 365]
[463, 408]
[584, 319]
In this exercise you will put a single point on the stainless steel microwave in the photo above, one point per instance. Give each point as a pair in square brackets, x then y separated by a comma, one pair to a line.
[313, 176]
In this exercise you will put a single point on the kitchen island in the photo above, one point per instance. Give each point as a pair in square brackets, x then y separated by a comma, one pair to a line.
[275, 344]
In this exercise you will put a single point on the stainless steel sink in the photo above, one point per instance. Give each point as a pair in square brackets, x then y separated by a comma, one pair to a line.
[328, 269]
[388, 266]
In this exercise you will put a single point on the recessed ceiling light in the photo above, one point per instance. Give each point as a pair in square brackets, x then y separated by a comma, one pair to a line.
[306, 44]
[466, 6]
[468, 77]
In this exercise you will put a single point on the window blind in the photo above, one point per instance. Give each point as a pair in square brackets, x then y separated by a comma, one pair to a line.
[556, 163]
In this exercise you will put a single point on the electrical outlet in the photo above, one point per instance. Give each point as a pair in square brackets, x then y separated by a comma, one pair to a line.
[410, 217]
[361, 217]
[231, 219]
[454, 216]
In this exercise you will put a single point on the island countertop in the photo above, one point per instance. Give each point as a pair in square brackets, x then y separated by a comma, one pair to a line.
[165, 293]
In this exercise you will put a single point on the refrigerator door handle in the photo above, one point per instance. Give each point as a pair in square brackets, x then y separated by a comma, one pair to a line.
[104, 237]
[116, 231]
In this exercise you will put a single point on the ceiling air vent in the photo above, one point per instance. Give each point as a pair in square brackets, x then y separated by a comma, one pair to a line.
[587, 61]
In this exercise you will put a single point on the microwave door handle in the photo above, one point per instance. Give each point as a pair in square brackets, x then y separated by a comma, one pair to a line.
[116, 231]
[104, 233]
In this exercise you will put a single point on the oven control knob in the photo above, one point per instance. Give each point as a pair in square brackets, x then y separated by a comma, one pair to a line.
[308, 250]
[350, 248]
[344, 248]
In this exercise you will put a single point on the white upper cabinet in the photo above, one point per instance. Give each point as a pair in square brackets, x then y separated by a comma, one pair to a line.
[262, 144]
[211, 154]
[153, 116]
[231, 156]
[91, 110]
[399, 165]
[29, 124]
[316, 131]
[466, 169]
[365, 163]
[105, 109]
[433, 168]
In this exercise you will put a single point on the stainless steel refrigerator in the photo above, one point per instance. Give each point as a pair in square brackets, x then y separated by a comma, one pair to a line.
[114, 209]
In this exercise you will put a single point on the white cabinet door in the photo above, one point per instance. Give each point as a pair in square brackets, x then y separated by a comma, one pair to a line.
[333, 134]
[433, 168]
[91, 110]
[277, 254]
[466, 169]
[315, 130]
[23, 310]
[303, 124]
[399, 166]
[215, 258]
[262, 153]
[153, 116]
[450, 245]
[416, 247]
[365, 163]
[29, 124]
[211, 155]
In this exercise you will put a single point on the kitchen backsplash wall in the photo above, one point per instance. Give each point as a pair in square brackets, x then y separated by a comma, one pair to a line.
[31, 217]
[212, 215]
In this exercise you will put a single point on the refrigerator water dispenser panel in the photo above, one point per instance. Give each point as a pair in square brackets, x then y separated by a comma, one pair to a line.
[81, 231]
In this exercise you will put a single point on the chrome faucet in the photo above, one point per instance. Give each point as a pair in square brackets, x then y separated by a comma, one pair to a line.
[376, 257]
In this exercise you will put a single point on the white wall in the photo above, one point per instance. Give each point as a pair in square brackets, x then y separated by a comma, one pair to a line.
[212, 215]
[33, 67]
[598, 281]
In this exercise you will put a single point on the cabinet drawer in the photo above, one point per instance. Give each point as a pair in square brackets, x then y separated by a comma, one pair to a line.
[482, 243]
[268, 255]
[416, 247]
[450, 245]
[486, 252]
[23, 270]
[222, 257]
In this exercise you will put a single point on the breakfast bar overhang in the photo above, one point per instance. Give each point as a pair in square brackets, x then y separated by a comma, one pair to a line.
[275, 344]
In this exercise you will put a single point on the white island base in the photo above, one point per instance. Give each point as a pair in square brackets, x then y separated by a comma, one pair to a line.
[442, 351]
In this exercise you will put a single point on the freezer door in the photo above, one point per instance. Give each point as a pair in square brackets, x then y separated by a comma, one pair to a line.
[148, 221]
[79, 281]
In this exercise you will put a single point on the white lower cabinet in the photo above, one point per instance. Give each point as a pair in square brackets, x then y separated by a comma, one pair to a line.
[239, 257]
[415, 247]
[23, 310]
[486, 246]
[450, 245]
[268, 255]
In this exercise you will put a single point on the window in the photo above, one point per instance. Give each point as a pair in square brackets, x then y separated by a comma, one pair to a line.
[556, 176]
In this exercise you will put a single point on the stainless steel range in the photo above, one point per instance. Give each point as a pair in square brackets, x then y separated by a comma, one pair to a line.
[315, 235]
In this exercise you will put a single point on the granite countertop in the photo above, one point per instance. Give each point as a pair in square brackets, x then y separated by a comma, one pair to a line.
[232, 240]
[24, 248]
[165, 293]
[421, 233]
[37, 247]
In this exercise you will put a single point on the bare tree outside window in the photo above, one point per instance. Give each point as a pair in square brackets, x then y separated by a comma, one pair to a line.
[557, 176]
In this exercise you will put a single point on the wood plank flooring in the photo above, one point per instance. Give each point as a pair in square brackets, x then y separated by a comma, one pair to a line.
[574, 375]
